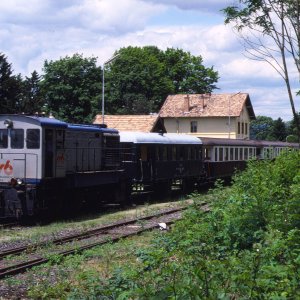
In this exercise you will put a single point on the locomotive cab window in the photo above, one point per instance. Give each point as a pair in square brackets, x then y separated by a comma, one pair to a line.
[33, 138]
[17, 138]
[3, 138]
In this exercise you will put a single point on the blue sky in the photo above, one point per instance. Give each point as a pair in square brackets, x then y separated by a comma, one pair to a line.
[33, 31]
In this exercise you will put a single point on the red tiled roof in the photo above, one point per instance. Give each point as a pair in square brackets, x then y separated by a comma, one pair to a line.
[144, 123]
[206, 105]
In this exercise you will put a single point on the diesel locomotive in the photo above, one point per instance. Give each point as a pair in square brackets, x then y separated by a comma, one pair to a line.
[50, 165]
[47, 165]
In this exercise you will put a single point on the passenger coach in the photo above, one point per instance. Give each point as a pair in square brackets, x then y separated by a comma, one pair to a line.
[222, 157]
[156, 161]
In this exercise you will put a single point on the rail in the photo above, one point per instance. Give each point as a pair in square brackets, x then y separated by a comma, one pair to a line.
[90, 238]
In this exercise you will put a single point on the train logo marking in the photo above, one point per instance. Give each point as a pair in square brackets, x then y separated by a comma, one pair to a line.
[7, 168]
[60, 158]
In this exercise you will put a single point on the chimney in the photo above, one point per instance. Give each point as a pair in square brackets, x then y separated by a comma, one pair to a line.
[186, 104]
[201, 102]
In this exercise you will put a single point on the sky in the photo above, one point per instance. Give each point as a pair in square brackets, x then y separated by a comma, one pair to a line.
[32, 31]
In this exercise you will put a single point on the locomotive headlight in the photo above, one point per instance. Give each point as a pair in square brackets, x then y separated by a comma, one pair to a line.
[8, 123]
[19, 181]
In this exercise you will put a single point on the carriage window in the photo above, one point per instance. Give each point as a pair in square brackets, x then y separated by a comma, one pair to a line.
[173, 152]
[17, 138]
[33, 138]
[216, 154]
[180, 153]
[188, 153]
[158, 153]
[226, 150]
[236, 154]
[144, 153]
[164, 153]
[241, 154]
[231, 154]
[194, 153]
[199, 153]
[245, 153]
[250, 152]
[3, 138]
[220, 154]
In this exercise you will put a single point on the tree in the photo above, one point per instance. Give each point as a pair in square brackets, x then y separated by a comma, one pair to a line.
[292, 130]
[262, 128]
[71, 87]
[137, 81]
[279, 130]
[140, 79]
[32, 101]
[274, 36]
[188, 73]
[10, 88]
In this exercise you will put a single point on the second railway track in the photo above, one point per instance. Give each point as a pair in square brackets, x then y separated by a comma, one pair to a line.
[84, 240]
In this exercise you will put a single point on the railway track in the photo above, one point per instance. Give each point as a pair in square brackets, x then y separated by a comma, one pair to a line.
[8, 225]
[83, 241]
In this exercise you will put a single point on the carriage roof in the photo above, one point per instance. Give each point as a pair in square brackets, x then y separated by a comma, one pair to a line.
[157, 138]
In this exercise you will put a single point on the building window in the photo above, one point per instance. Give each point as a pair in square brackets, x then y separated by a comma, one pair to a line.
[194, 126]
[246, 128]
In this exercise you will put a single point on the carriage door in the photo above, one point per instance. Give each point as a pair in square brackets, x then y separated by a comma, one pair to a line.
[145, 162]
[49, 151]
[60, 168]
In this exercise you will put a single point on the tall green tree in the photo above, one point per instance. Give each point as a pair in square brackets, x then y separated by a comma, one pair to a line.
[292, 130]
[279, 130]
[270, 30]
[71, 87]
[187, 72]
[10, 88]
[262, 128]
[32, 100]
[139, 79]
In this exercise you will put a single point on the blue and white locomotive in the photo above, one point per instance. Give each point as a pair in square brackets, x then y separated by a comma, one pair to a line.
[47, 164]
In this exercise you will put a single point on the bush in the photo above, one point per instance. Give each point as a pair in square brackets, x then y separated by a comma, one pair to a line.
[247, 247]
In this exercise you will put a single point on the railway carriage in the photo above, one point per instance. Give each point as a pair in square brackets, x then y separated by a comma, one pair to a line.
[222, 157]
[156, 161]
[50, 164]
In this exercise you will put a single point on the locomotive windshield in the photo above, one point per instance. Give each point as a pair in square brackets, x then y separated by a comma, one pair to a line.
[3, 138]
[17, 138]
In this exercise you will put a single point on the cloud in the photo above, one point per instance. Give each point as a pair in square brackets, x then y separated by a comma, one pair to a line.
[34, 31]
[212, 6]
[103, 16]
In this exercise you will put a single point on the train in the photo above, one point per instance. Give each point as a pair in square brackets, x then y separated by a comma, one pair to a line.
[50, 166]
